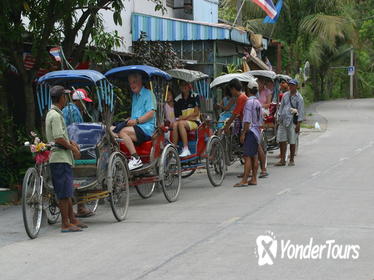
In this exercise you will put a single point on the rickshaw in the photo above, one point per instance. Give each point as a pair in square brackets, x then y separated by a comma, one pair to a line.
[102, 170]
[161, 161]
[231, 141]
[206, 148]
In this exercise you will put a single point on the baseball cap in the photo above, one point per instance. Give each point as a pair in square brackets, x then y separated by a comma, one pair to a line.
[58, 91]
[81, 93]
[293, 82]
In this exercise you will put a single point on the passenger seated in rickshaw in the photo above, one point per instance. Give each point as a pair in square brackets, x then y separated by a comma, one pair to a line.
[73, 112]
[266, 87]
[187, 114]
[169, 108]
[227, 106]
[140, 126]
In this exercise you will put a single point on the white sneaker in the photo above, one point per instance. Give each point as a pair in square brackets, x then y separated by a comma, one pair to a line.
[135, 163]
[185, 153]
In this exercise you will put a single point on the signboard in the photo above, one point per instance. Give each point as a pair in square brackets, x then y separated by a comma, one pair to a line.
[351, 70]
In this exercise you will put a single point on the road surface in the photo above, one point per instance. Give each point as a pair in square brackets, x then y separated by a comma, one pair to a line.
[211, 233]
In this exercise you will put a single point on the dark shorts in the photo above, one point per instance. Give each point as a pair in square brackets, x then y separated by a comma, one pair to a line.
[141, 137]
[62, 179]
[250, 146]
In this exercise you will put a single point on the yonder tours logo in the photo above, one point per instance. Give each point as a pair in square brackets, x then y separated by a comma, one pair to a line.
[268, 249]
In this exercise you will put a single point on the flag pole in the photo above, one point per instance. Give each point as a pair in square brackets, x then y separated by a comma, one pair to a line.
[239, 11]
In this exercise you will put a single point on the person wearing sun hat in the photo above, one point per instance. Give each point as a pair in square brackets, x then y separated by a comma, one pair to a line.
[73, 111]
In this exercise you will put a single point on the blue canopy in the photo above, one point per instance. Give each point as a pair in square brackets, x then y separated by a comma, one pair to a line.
[72, 77]
[147, 71]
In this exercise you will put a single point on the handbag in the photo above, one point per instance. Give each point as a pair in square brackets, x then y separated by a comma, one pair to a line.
[294, 115]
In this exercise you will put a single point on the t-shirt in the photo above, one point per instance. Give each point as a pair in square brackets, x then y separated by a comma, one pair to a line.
[142, 103]
[72, 114]
[55, 128]
[263, 96]
[186, 107]
[253, 115]
[169, 113]
[240, 103]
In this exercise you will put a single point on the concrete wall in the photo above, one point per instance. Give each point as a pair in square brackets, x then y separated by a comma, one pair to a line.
[205, 11]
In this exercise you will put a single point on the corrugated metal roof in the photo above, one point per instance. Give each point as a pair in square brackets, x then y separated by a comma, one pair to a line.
[170, 29]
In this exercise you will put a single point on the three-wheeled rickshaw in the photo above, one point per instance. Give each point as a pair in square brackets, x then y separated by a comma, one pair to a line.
[161, 160]
[100, 173]
[206, 148]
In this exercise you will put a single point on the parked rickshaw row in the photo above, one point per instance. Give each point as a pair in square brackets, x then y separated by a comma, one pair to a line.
[102, 172]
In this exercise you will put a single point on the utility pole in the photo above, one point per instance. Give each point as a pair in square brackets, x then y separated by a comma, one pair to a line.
[351, 76]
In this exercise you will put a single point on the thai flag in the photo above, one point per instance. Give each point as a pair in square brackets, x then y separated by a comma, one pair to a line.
[56, 52]
[267, 6]
[278, 7]
[28, 61]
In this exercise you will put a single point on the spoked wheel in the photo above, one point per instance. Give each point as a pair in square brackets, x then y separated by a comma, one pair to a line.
[170, 173]
[145, 190]
[188, 173]
[118, 184]
[32, 202]
[264, 146]
[215, 162]
[92, 205]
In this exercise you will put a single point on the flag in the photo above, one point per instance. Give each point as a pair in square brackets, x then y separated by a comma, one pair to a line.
[278, 7]
[56, 52]
[28, 61]
[267, 6]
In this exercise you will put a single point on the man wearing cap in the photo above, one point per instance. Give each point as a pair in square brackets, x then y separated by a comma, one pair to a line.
[250, 135]
[290, 116]
[73, 111]
[61, 159]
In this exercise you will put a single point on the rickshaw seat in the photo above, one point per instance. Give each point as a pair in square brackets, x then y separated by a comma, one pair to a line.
[143, 150]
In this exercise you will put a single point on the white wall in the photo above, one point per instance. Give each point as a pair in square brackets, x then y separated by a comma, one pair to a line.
[131, 6]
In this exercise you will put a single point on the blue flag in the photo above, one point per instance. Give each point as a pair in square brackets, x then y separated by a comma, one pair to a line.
[278, 7]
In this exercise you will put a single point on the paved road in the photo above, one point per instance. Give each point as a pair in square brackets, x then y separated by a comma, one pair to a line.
[210, 233]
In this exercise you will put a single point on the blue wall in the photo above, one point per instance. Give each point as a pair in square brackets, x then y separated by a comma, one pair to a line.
[205, 10]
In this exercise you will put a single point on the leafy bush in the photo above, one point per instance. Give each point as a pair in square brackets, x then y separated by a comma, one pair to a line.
[14, 157]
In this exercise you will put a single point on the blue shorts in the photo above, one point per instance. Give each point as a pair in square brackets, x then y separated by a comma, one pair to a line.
[250, 146]
[62, 179]
[141, 137]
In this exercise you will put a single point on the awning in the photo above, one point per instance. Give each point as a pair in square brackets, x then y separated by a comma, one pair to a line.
[170, 29]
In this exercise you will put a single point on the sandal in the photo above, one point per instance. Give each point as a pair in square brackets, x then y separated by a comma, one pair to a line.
[85, 215]
[81, 225]
[263, 175]
[291, 163]
[251, 184]
[71, 229]
[281, 163]
[239, 185]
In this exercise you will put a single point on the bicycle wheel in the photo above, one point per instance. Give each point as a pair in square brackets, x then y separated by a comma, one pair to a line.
[215, 162]
[145, 190]
[51, 209]
[92, 205]
[188, 173]
[170, 173]
[32, 202]
[118, 184]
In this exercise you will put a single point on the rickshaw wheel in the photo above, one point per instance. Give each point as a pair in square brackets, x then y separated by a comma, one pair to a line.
[118, 183]
[215, 162]
[32, 202]
[170, 173]
[186, 174]
[145, 190]
[264, 145]
[92, 205]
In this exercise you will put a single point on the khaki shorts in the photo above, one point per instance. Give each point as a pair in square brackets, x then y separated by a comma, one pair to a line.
[287, 134]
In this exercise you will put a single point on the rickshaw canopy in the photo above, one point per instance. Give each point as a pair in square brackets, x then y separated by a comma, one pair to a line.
[263, 73]
[189, 76]
[74, 79]
[147, 71]
[283, 77]
[245, 77]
